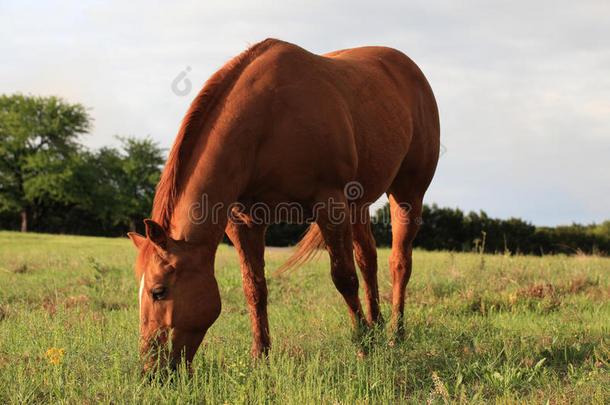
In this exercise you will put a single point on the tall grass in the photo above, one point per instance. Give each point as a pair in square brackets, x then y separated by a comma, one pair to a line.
[498, 328]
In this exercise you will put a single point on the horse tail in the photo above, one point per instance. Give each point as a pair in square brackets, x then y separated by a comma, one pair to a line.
[307, 249]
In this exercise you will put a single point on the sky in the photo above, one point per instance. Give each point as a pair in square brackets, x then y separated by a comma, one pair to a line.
[523, 87]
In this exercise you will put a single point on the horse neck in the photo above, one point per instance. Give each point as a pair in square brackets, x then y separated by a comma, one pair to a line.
[196, 219]
[215, 181]
[201, 214]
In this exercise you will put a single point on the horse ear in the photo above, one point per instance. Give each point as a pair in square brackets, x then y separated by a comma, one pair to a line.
[156, 233]
[137, 239]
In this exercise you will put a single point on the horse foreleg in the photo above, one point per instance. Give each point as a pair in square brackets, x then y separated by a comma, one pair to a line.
[250, 245]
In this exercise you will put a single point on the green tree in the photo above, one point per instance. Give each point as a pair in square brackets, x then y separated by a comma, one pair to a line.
[94, 185]
[107, 191]
[38, 136]
[140, 168]
[116, 186]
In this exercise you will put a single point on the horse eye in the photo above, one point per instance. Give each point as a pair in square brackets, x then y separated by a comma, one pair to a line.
[158, 293]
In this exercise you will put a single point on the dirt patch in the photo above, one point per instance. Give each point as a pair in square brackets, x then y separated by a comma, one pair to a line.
[387, 296]
[547, 290]
[5, 312]
[98, 317]
[49, 306]
[113, 306]
[20, 268]
[579, 284]
[543, 291]
[80, 301]
[486, 305]
[294, 351]
[537, 291]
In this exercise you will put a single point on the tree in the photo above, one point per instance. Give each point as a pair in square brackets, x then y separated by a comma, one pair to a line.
[38, 136]
[107, 191]
[381, 226]
[140, 168]
[116, 186]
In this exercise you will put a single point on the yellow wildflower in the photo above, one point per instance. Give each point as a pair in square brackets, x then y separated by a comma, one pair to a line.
[55, 355]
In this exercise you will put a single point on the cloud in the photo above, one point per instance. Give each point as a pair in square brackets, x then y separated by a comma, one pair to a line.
[523, 87]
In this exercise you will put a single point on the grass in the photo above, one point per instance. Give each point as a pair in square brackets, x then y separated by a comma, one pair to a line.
[506, 329]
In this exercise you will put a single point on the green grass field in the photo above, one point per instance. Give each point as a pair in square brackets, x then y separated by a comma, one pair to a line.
[481, 329]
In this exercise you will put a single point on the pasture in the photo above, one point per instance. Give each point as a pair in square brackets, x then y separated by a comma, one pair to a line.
[480, 329]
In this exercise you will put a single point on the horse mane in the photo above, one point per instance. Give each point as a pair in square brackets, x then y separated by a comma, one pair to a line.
[173, 180]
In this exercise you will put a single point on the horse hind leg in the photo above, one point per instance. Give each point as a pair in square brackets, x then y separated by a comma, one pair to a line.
[337, 233]
[406, 202]
[365, 253]
[405, 209]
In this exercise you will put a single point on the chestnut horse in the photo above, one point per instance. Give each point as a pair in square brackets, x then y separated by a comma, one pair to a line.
[280, 125]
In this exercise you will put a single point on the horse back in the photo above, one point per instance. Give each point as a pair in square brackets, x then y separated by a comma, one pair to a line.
[344, 116]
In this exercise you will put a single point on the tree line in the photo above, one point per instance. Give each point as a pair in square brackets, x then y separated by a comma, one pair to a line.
[451, 229]
[50, 182]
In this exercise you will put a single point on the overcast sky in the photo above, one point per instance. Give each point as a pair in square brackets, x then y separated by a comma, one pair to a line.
[523, 86]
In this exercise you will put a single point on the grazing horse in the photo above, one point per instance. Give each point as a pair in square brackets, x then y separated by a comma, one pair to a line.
[279, 127]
